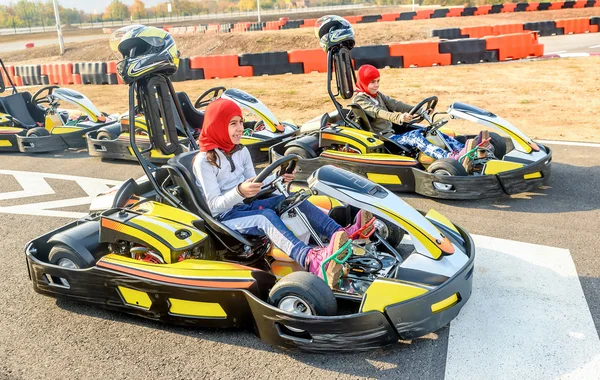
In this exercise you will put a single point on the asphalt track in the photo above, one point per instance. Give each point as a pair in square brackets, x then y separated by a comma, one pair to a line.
[42, 337]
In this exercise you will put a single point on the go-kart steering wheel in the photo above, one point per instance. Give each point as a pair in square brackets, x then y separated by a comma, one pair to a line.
[418, 110]
[43, 99]
[204, 99]
[287, 165]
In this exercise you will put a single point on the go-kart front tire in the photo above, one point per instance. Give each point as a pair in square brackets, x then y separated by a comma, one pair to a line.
[38, 132]
[447, 166]
[303, 293]
[499, 145]
[63, 255]
[390, 232]
[298, 152]
[105, 136]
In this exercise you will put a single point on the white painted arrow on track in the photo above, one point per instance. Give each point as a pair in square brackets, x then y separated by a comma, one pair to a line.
[526, 319]
[34, 184]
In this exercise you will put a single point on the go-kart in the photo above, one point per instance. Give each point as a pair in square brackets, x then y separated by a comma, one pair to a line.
[113, 142]
[344, 138]
[157, 252]
[36, 124]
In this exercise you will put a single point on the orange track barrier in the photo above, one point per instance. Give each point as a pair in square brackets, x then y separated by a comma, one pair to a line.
[508, 7]
[424, 14]
[111, 68]
[456, 12]
[389, 17]
[309, 23]
[353, 19]
[498, 30]
[11, 73]
[17, 80]
[77, 79]
[483, 10]
[312, 60]
[580, 4]
[576, 25]
[58, 73]
[597, 3]
[477, 31]
[532, 7]
[420, 54]
[556, 5]
[220, 66]
[515, 46]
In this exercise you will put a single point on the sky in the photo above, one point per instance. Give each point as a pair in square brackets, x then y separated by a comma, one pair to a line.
[90, 5]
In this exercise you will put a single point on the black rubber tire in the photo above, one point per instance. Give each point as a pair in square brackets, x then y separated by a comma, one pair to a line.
[499, 145]
[62, 251]
[105, 135]
[37, 132]
[297, 151]
[395, 233]
[310, 288]
[451, 166]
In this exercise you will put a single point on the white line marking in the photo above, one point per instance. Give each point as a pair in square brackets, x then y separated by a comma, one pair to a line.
[574, 55]
[527, 317]
[34, 184]
[594, 47]
[557, 52]
[571, 143]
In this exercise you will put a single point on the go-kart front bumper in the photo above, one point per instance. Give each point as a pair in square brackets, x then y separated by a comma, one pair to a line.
[528, 178]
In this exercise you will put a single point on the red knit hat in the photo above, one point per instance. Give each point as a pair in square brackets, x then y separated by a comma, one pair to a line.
[366, 74]
[215, 128]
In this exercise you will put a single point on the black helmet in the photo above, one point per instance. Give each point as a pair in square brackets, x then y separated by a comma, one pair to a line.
[334, 31]
[145, 50]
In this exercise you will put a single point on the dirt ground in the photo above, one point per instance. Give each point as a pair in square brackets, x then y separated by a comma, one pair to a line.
[256, 42]
[548, 99]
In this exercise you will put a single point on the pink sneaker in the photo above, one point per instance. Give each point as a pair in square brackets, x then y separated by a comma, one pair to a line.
[466, 162]
[362, 218]
[317, 255]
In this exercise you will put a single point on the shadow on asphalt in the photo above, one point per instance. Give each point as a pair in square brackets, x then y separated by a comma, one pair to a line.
[383, 363]
[570, 188]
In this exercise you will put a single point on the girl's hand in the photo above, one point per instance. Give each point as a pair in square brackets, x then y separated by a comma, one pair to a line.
[288, 177]
[248, 189]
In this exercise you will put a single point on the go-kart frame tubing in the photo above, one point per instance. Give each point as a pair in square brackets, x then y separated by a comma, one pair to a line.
[245, 309]
[54, 142]
[416, 179]
[119, 148]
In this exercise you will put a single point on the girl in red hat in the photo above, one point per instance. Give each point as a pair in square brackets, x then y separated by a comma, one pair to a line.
[224, 171]
[385, 111]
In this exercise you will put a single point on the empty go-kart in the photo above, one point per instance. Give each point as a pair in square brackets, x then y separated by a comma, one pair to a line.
[36, 123]
[113, 142]
[344, 138]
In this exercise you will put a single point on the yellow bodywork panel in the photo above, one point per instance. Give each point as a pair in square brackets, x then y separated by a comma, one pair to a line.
[190, 268]
[5, 143]
[383, 293]
[166, 230]
[63, 130]
[154, 153]
[384, 179]
[524, 144]
[167, 212]
[324, 202]
[497, 166]
[445, 304]
[135, 297]
[196, 308]
[533, 175]
[140, 235]
[246, 140]
[434, 215]
[11, 129]
[370, 156]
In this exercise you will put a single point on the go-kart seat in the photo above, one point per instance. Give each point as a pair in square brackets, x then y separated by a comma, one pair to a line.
[181, 170]
[193, 117]
[22, 110]
[361, 117]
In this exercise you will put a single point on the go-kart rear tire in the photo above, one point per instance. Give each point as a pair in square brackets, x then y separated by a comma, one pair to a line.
[61, 253]
[37, 132]
[307, 287]
[499, 145]
[392, 233]
[447, 166]
[105, 136]
[297, 151]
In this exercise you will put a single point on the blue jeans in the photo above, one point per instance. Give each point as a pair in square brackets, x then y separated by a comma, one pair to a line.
[259, 218]
[415, 139]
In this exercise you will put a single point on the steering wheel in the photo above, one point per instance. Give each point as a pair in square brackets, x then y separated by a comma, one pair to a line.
[208, 96]
[426, 104]
[43, 99]
[287, 165]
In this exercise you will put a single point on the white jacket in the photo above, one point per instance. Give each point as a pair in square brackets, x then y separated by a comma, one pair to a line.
[220, 184]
